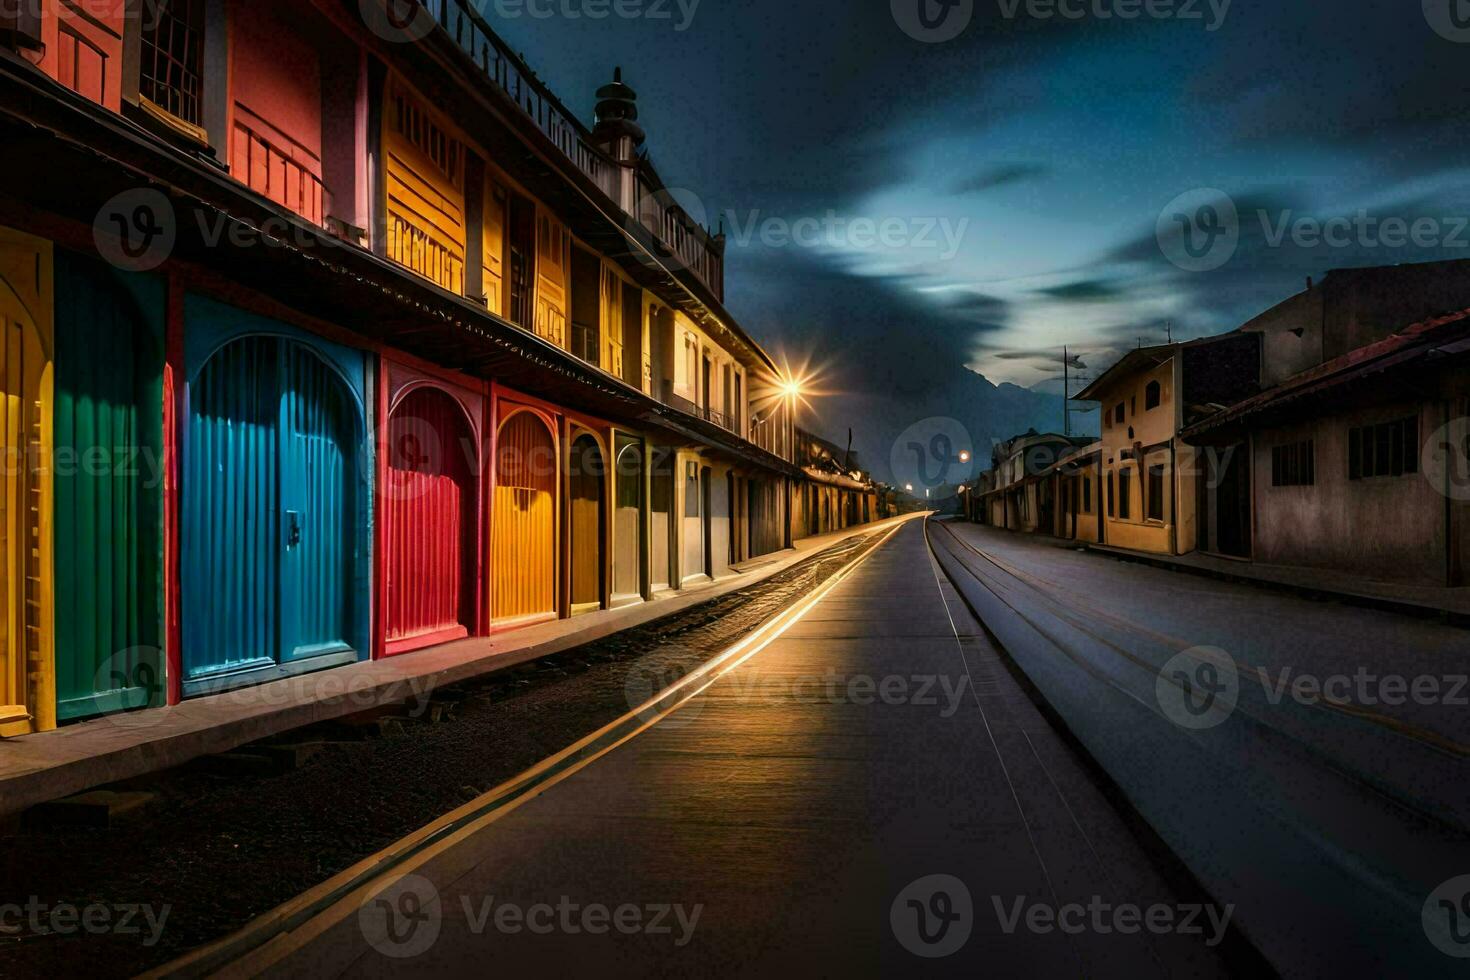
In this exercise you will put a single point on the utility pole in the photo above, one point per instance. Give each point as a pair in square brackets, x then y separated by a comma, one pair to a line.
[1066, 394]
[1067, 410]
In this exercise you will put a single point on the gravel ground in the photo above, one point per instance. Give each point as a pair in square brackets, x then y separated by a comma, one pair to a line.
[220, 848]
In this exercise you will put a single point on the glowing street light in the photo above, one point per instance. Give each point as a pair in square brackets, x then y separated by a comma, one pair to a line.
[964, 455]
[909, 487]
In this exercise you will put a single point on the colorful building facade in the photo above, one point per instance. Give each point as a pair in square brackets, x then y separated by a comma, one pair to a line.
[338, 340]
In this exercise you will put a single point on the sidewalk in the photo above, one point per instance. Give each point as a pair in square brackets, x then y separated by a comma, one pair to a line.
[1451, 605]
[52, 765]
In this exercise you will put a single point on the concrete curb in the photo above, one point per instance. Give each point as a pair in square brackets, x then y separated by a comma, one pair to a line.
[1401, 607]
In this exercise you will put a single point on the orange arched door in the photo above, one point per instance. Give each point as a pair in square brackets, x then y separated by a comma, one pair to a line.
[27, 678]
[429, 522]
[523, 523]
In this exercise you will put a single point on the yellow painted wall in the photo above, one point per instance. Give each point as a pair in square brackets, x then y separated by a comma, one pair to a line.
[553, 262]
[27, 658]
[610, 303]
[494, 278]
[423, 164]
[1150, 430]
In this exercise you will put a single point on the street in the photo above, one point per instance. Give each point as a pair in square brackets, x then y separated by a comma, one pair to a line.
[1328, 810]
[796, 813]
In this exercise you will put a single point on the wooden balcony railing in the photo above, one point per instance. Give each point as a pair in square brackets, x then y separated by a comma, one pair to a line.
[272, 169]
[418, 249]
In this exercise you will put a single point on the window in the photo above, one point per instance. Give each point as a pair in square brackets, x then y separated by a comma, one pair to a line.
[1152, 395]
[1385, 449]
[1112, 481]
[1125, 502]
[1155, 500]
[1294, 465]
[1086, 494]
[172, 56]
[1118, 414]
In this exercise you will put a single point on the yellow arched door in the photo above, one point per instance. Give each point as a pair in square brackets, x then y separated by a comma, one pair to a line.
[27, 670]
[523, 525]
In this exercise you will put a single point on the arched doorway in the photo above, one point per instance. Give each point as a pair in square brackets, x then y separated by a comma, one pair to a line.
[628, 521]
[27, 695]
[588, 475]
[270, 515]
[109, 513]
[523, 525]
[661, 536]
[429, 525]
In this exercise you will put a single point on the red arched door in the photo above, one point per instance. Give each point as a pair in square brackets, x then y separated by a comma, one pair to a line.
[429, 522]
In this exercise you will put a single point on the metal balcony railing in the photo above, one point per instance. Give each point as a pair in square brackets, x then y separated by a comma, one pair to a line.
[698, 411]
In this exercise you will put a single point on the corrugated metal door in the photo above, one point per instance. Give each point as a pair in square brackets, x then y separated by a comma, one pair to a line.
[523, 527]
[27, 692]
[429, 521]
[587, 478]
[231, 527]
[319, 510]
[269, 512]
[109, 507]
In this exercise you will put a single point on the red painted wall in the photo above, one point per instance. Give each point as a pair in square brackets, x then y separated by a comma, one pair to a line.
[84, 48]
[276, 106]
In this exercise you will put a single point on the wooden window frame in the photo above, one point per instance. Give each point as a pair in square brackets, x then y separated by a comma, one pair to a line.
[1294, 464]
[1384, 450]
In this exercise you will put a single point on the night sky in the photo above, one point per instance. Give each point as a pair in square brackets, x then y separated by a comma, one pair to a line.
[1051, 147]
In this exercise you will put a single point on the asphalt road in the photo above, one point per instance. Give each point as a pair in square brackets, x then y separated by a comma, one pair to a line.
[1306, 760]
[873, 793]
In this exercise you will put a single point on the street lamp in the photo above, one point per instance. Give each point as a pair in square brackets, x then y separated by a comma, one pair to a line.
[964, 455]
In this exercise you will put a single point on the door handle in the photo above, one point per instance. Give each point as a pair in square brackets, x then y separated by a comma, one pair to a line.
[293, 528]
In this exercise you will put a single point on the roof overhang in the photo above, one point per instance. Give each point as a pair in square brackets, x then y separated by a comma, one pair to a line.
[48, 130]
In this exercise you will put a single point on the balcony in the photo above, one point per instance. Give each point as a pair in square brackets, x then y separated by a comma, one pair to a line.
[690, 408]
[682, 237]
[283, 173]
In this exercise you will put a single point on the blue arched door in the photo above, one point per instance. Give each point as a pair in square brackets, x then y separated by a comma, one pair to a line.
[270, 515]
